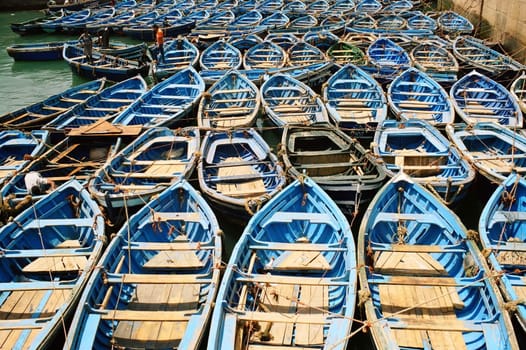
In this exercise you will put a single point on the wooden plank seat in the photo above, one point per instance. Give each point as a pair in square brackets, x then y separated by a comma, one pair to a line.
[420, 218]
[40, 223]
[175, 259]
[244, 177]
[146, 315]
[328, 165]
[72, 100]
[284, 279]
[427, 281]
[50, 252]
[57, 263]
[55, 108]
[105, 109]
[289, 217]
[116, 278]
[518, 247]
[36, 285]
[407, 263]
[30, 304]
[507, 216]
[232, 91]
[177, 216]
[279, 317]
[417, 248]
[171, 246]
[449, 325]
[24, 324]
[298, 247]
[118, 100]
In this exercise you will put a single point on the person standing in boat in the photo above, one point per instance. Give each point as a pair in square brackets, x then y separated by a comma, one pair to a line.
[105, 38]
[86, 42]
[159, 41]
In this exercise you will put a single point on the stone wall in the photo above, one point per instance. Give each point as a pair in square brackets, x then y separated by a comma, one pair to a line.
[503, 21]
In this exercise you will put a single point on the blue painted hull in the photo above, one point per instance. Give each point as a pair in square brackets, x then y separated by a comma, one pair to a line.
[167, 103]
[413, 252]
[502, 233]
[495, 151]
[263, 285]
[109, 67]
[138, 285]
[237, 171]
[103, 106]
[38, 114]
[37, 52]
[422, 152]
[145, 168]
[49, 252]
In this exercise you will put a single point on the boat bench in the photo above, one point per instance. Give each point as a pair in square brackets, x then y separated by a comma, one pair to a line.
[39, 223]
[467, 282]
[143, 315]
[298, 247]
[290, 280]
[170, 246]
[420, 218]
[36, 285]
[289, 217]
[117, 278]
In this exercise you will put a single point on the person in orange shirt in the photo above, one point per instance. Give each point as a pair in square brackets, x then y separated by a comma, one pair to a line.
[159, 40]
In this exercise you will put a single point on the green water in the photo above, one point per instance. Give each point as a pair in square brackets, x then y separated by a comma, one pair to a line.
[23, 83]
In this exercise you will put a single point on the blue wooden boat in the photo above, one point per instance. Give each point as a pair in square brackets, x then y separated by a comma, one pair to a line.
[289, 101]
[387, 59]
[316, 7]
[421, 21]
[473, 53]
[220, 55]
[307, 21]
[157, 280]
[17, 149]
[415, 95]
[450, 22]
[109, 67]
[95, 17]
[227, 5]
[265, 55]
[78, 156]
[145, 168]
[251, 18]
[436, 61]
[276, 20]
[102, 106]
[518, 91]
[341, 8]
[146, 17]
[270, 6]
[218, 19]
[238, 172]
[425, 284]
[368, 6]
[127, 51]
[36, 115]
[418, 149]
[301, 54]
[502, 236]
[232, 102]
[363, 22]
[397, 7]
[245, 42]
[477, 97]
[300, 248]
[348, 173]
[293, 7]
[391, 23]
[56, 25]
[47, 51]
[167, 103]
[34, 25]
[285, 41]
[49, 252]
[322, 40]
[315, 73]
[114, 22]
[178, 54]
[354, 99]
[172, 25]
[495, 151]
